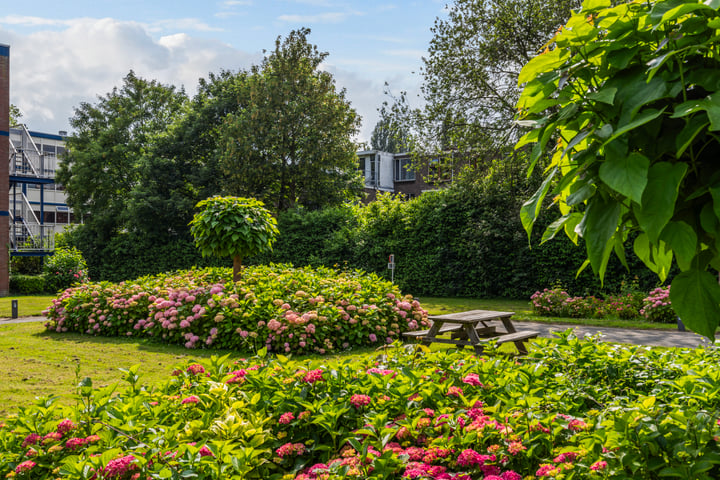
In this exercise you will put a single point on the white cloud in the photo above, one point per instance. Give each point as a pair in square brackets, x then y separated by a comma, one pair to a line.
[51, 72]
[235, 3]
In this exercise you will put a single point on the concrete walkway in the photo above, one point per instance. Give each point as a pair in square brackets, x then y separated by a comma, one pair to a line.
[662, 338]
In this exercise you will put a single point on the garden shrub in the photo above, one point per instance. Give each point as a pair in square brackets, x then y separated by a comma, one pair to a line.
[27, 284]
[64, 268]
[657, 306]
[285, 309]
[574, 410]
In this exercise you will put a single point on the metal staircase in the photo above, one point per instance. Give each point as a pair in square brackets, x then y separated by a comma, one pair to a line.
[29, 168]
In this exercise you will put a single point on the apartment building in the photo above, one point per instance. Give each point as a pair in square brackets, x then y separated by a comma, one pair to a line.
[38, 208]
[394, 173]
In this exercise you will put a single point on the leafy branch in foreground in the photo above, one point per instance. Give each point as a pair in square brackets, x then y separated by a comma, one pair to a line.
[625, 100]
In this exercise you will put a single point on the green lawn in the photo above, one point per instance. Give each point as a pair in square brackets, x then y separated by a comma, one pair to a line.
[523, 311]
[28, 305]
[35, 363]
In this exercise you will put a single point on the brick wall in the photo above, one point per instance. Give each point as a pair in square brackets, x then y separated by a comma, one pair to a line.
[4, 169]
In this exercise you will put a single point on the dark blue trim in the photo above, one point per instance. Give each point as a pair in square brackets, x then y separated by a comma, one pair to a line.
[4, 213]
[52, 204]
[23, 179]
[41, 253]
[49, 136]
[4, 51]
[3, 133]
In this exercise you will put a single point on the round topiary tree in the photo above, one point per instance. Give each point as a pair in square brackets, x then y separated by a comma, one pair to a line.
[233, 226]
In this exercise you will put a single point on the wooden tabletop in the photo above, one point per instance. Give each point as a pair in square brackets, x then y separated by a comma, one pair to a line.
[471, 316]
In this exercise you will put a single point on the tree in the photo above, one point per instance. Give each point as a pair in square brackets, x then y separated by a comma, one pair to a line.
[470, 74]
[391, 133]
[626, 102]
[292, 144]
[188, 154]
[233, 227]
[15, 115]
[105, 152]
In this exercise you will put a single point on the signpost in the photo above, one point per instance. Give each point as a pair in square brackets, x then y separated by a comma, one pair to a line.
[391, 266]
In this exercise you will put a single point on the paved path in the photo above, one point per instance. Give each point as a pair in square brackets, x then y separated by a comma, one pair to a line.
[663, 338]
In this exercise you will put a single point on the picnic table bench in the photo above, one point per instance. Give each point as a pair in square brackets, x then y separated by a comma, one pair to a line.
[472, 329]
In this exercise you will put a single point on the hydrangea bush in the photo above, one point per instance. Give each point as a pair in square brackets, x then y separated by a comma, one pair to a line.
[285, 309]
[657, 306]
[573, 410]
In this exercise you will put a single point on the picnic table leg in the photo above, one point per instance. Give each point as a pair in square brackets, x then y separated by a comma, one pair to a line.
[521, 347]
[507, 323]
[432, 333]
[473, 338]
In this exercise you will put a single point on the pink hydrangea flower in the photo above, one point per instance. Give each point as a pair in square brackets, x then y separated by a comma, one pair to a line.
[360, 400]
[290, 449]
[191, 399]
[205, 452]
[25, 466]
[599, 465]
[119, 467]
[286, 418]
[195, 369]
[66, 426]
[313, 376]
[472, 379]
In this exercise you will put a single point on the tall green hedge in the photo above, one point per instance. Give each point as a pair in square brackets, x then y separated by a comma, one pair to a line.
[465, 240]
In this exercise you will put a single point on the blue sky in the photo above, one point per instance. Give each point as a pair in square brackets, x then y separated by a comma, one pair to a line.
[64, 53]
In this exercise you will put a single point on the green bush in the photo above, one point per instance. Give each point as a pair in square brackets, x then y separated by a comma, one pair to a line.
[64, 268]
[574, 410]
[284, 309]
[27, 284]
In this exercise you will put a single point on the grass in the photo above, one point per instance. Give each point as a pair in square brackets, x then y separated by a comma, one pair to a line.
[28, 306]
[523, 311]
[34, 362]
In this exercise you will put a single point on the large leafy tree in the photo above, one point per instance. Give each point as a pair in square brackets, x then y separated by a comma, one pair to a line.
[470, 74]
[292, 143]
[187, 153]
[110, 137]
[626, 103]
[391, 132]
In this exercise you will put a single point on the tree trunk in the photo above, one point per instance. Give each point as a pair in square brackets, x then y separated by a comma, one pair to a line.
[237, 269]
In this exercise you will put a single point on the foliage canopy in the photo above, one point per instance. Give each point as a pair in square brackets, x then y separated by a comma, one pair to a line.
[292, 143]
[233, 227]
[626, 101]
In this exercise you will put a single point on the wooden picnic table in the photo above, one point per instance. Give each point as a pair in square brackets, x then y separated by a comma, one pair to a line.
[473, 329]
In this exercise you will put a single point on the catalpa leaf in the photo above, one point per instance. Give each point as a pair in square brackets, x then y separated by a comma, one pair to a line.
[695, 296]
[659, 197]
[627, 175]
[597, 228]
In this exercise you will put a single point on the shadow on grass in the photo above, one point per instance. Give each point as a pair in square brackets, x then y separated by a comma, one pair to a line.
[150, 346]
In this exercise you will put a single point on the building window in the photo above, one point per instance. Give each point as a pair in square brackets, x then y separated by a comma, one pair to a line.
[368, 169]
[404, 170]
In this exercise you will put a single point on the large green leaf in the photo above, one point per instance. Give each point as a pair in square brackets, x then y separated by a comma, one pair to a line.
[627, 175]
[542, 63]
[531, 208]
[682, 239]
[646, 116]
[597, 228]
[695, 297]
[659, 197]
[657, 257]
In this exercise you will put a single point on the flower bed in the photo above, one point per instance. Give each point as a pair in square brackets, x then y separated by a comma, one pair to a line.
[654, 307]
[573, 410]
[299, 310]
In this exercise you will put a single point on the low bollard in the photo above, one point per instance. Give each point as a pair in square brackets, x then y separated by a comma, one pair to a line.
[14, 306]
[681, 325]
